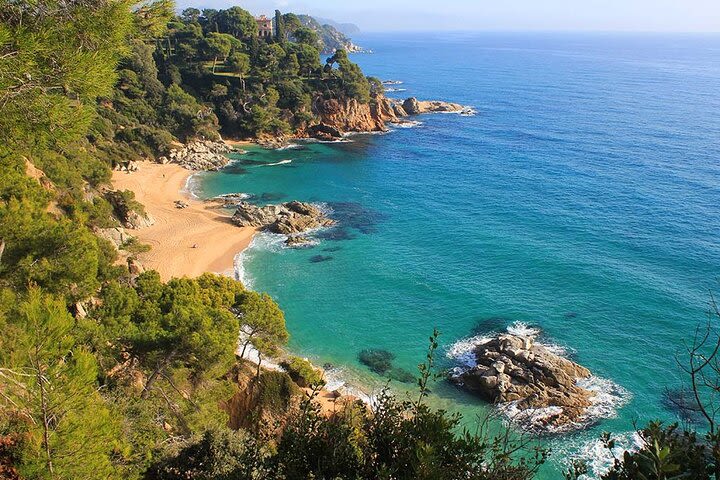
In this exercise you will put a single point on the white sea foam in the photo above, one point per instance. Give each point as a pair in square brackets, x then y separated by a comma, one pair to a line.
[596, 455]
[290, 146]
[407, 124]
[281, 162]
[192, 186]
[391, 89]
[523, 329]
[392, 82]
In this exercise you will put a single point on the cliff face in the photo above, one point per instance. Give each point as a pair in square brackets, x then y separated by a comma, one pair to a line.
[337, 117]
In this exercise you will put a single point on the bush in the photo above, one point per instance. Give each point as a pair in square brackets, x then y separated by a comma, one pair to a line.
[303, 372]
[276, 390]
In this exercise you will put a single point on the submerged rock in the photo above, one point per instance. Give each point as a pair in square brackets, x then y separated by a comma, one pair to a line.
[512, 368]
[298, 241]
[286, 218]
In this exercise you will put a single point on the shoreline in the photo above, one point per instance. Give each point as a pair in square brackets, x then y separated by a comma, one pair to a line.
[185, 242]
[175, 231]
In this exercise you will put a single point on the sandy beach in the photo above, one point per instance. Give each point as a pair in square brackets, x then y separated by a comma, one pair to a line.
[176, 231]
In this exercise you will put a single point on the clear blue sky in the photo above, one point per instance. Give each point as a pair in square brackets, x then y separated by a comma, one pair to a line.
[571, 15]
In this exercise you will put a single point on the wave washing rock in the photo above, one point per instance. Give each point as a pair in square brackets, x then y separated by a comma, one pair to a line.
[512, 368]
[287, 218]
[200, 155]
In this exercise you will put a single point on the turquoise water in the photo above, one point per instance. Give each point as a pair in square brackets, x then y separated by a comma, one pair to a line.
[582, 199]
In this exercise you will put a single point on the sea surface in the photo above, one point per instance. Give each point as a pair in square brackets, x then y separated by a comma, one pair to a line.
[582, 201]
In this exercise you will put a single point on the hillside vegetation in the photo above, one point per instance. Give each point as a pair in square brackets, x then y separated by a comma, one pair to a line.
[110, 373]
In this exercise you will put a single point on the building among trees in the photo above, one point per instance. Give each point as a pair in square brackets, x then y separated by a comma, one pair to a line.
[265, 28]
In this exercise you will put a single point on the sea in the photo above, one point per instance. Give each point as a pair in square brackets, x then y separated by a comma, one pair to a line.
[579, 202]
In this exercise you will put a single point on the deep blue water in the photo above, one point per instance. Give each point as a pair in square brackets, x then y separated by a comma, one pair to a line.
[583, 199]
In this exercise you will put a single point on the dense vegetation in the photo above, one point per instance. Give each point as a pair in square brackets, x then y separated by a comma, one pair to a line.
[106, 373]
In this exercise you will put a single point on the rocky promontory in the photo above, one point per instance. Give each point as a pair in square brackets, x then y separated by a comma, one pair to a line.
[286, 218]
[339, 117]
[513, 368]
[200, 155]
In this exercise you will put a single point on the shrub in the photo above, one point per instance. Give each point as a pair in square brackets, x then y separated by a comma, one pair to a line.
[302, 372]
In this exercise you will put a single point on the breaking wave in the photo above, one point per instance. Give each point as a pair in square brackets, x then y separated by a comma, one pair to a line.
[281, 162]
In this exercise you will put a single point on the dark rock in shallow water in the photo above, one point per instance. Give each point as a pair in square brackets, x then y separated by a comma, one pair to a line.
[298, 241]
[356, 216]
[491, 324]
[401, 375]
[336, 234]
[320, 258]
[271, 196]
[331, 249]
[682, 402]
[378, 360]
[570, 315]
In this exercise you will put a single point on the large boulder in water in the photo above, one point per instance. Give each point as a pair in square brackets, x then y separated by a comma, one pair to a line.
[286, 218]
[512, 368]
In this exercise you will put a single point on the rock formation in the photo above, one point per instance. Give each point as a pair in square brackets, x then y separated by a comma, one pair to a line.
[298, 241]
[413, 106]
[200, 155]
[512, 368]
[128, 211]
[338, 117]
[287, 218]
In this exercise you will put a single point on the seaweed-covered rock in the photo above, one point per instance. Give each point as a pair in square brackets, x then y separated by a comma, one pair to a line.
[378, 360]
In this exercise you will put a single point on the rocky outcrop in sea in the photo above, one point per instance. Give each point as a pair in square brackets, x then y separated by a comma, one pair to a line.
[540, 386]
[200, 155]
[338, 117]
[286, 218]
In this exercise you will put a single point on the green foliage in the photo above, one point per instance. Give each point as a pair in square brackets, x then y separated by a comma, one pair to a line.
[303, 372]
[50, 380]
[667, 453]
[263, 324]
[275, 391]
[217, 455]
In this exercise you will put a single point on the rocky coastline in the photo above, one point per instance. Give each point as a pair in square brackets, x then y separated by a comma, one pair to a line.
[290, 218]
[338, 118]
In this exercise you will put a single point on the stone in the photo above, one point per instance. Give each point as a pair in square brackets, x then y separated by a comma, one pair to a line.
[287, 218]
[298, 241]
[128, 212]
[200, 155]
[512, 368]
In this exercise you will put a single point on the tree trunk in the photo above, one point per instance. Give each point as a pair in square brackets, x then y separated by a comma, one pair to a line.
[214, 64]
[46, 422]
[153, 376]
[2, 242]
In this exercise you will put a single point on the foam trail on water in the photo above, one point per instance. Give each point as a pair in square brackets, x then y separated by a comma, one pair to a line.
[281, 162]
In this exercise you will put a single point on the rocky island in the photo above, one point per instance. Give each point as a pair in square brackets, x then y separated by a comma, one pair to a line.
[541, 385]
[286, 218]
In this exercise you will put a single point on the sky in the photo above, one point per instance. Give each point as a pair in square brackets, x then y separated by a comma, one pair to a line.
[504, 15]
